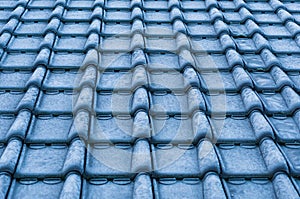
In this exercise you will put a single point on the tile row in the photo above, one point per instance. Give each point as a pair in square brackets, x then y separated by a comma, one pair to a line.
[86, 7]
[39, 17]
[95, 9]
[105, 160]
[199, 45]
[253, 6]
[175, 99]
[200, 29]
[284, 102]
[160, 80]
[193, 29]
[117, 43]
[291, 6]
[110, 27]
[211, 186]
[158, 128]
[153, 61]
[196, 15]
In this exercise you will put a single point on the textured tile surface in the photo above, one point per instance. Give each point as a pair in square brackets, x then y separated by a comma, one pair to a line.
[149, 99]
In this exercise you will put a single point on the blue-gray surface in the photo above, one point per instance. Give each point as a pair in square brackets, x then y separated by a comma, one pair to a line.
[149, 99]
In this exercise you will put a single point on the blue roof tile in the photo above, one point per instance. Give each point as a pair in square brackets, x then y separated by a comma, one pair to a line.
[119, 128]
[11, 4]
[273, 80]
[81, 4]
[180, 129]
[266, 17]
[28, 44]
[82, 14]
[284, 102]
[23, 28]
[55, 160]
[284, 45]
[60, 79]
[119, 160]
[185, 160]
[163, 102]
[57, 129]
[173, 81]
[66, 60]
[118, 188]
[201, 30]
[55, 102]
[76, 43]
[241, 129]
[78, 28]
[124, 81]
[279, 186]
[17, 60]
[251, 160]
[286, 128]
[122, 102]
[14, 101]
[141, 186]
[29, 188]
[37, 15]
[52, 187]
[233, 103]
[15, 126]
[290, 152]
[42, 4]
[208, 187]
[159, 61]
[14, 80]
[229, 81]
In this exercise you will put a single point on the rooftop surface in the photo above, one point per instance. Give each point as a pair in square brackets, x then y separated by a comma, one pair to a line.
[149, 99]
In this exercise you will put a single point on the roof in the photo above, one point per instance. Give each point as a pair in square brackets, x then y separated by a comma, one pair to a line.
[149, 99]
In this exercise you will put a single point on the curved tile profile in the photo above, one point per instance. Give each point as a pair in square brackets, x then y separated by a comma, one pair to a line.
[5, 180]
[10, 155]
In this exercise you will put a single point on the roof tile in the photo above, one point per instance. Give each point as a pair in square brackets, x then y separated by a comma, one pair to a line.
[241, 129]
[266, 188]
[209, 187]
[286, 128]
[180, 129]
[184, 160]
[55, 160]
[52, 187]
